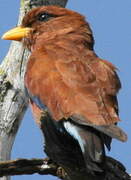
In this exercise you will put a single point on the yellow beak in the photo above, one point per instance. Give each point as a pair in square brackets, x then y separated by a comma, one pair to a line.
[16, 33]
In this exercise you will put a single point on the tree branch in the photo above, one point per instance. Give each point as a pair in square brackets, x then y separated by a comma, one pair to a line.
[25, 166]
[46, 166]
[31, 166]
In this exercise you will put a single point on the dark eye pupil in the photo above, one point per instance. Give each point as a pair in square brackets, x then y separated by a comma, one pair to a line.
[43, 17]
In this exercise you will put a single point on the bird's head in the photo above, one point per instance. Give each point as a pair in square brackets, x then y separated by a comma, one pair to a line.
[48, 22]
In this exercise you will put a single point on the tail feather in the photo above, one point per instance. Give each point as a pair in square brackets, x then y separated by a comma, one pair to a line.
[106, 140]
[93, 151]
[90, 143]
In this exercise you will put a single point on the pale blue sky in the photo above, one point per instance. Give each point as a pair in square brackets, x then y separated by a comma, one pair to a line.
[111, 24]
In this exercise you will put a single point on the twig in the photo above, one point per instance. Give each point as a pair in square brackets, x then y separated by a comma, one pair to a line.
[29, 166]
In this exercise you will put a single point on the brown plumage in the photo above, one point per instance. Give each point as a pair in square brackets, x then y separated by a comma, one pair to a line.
[78, 88]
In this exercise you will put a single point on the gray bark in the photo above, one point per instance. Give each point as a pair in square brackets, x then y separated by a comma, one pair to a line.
[13, 102]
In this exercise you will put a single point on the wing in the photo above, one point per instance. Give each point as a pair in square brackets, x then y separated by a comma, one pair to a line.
[93, 85]
[96, 83]
[82, 88]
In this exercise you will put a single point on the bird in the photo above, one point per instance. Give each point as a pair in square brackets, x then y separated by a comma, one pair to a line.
[76, 89]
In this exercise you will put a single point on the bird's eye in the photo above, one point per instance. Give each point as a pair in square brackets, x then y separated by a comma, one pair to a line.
[44, 17]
